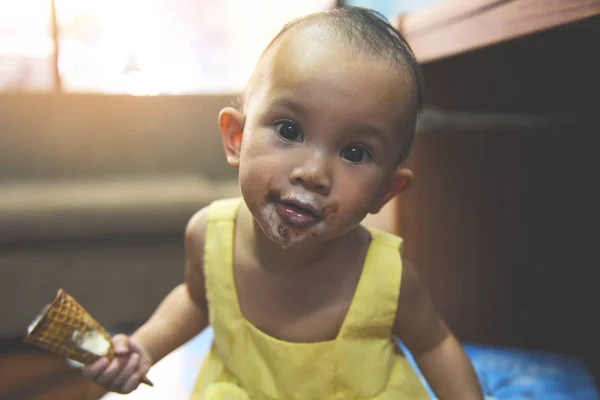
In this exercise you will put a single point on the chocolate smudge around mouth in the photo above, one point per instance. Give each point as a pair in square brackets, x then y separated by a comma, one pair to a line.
[271, 193]
[284, 232]
[274, 196]
[330, 210]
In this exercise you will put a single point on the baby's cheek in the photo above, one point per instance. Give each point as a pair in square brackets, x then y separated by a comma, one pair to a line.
[351, 215]
[255, 183]
[355, 191]
[353, 207]
[330, 211]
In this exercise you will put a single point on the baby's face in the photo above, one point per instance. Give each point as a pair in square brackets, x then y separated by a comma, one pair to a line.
[322, 135]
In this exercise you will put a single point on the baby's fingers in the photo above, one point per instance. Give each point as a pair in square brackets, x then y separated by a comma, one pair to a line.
[128, 370]
[94, 370]
[107, 377]
[134, 345]
[132, 383]
[120, 344]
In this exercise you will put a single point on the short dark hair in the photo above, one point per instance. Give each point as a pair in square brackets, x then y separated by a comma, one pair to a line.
[371, 32]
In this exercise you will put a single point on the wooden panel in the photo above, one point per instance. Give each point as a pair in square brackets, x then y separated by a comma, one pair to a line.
[454, 27]
[34, 375]
[499, 224]
[551, 72]
[499, 219]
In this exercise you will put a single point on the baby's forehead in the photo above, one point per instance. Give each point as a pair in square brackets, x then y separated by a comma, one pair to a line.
[314, 55]
[317, 51]
[345, 72]
[308, 43]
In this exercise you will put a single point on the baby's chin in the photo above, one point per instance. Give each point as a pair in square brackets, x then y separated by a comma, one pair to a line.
[288, 237]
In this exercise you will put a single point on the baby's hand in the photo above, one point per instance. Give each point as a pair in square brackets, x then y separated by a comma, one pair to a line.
[125, 372]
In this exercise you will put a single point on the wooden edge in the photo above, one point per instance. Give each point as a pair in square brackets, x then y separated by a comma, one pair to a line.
[433, 36]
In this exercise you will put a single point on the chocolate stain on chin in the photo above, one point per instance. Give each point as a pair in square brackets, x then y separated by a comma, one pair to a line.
[284, 232]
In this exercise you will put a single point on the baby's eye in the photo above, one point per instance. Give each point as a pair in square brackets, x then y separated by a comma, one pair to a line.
[355, 154]
[289, 131]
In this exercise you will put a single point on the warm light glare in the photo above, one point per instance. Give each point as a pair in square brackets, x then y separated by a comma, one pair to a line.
[25, 15]
[127, 28]
[137, 84]
[25, 28]
[177, 46]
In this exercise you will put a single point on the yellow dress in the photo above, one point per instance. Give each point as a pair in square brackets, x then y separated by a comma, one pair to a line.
[362, 362]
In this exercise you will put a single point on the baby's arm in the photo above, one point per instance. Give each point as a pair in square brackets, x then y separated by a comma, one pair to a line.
[180, 316]
[183, 313]
[438, 354]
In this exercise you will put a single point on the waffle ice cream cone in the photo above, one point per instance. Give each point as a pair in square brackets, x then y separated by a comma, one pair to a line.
[66, 329]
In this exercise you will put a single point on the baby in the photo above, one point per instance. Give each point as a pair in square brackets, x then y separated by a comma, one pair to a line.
[304, 301]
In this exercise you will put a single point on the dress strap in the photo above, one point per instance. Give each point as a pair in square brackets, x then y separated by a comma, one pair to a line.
[372, 311]
[224, 209]
[218, 260]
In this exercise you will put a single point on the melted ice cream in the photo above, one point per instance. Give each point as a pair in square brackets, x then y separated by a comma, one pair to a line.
[92, 341]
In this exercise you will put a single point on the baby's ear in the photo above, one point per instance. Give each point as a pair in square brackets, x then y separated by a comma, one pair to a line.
[231, 125]
[399, 181]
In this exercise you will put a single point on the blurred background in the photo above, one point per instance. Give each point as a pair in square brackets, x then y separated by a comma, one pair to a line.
[109, 143]
[145, 47]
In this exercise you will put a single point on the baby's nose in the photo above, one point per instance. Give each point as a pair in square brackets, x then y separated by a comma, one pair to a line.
[313, 174]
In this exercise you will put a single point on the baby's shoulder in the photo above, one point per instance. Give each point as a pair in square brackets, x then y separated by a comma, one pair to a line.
[217, 210]
[196, 226]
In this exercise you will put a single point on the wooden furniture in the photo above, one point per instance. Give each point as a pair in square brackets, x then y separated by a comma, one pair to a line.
[499, 218]
[35, 375]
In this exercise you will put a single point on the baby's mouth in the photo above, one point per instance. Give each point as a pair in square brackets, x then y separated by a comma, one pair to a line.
[296, 212]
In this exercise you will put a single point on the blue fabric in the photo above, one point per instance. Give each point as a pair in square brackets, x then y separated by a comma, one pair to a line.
[509, 374]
